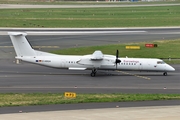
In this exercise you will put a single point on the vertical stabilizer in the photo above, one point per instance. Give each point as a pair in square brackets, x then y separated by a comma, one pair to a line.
[21, 44]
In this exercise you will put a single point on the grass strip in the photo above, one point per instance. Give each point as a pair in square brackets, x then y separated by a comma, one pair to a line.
[22, 99]
[166, 49]
[91, 17]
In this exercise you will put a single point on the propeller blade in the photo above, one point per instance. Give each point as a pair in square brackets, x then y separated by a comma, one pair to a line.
[117, 54]
[117, 60]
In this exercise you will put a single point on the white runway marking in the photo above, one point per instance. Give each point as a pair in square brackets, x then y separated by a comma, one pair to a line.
[13, 6]
[81, 32]
[33, 46]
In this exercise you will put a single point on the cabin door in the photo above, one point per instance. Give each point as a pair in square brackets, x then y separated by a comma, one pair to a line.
[63, 63]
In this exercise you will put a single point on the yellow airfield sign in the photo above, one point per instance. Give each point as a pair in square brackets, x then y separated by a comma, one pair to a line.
[70, 94]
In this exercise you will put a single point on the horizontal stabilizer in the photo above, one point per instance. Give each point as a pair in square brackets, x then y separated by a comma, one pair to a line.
[17, 33]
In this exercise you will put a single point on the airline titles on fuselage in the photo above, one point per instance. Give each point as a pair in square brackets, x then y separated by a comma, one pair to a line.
[131, 61]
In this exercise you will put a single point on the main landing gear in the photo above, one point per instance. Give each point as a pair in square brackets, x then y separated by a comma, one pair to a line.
[165, 73]
[93, 74]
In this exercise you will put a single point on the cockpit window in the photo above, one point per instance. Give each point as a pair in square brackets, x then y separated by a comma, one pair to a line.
[160, 62]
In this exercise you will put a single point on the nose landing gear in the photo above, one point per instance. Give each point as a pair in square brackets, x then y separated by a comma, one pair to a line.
[165, 73]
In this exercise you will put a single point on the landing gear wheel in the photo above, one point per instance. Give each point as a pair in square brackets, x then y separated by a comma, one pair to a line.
[93, 74]
[165, 73]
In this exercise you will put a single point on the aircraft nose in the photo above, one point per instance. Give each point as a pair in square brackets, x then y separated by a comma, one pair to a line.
[170, 68]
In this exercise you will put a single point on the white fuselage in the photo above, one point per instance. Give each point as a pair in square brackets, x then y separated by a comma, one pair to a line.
[108, 63]
[95, 61]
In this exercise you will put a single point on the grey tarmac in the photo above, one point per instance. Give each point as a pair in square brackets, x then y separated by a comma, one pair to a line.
[132, 113]
[17, 6]
[28, 78]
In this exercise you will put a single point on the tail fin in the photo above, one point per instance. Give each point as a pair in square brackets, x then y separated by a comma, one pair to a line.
[21, 44]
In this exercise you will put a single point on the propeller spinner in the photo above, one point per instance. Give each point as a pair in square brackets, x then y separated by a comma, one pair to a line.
[117, 60]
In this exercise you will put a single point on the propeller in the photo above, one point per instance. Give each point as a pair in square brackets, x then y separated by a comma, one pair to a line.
[117, 60]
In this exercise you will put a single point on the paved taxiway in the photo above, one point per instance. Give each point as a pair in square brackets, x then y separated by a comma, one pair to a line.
[85, 106]
[68, 38]
[18, 6]
[138, 113]
[26, 77]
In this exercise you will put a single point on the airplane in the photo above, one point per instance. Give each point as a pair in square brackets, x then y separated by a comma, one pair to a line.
[94, 62]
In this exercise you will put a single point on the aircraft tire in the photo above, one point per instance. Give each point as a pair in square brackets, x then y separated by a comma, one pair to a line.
[93, 74]
[165, 73]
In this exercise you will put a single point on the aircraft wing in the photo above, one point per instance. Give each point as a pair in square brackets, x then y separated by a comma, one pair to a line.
[97, 60]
